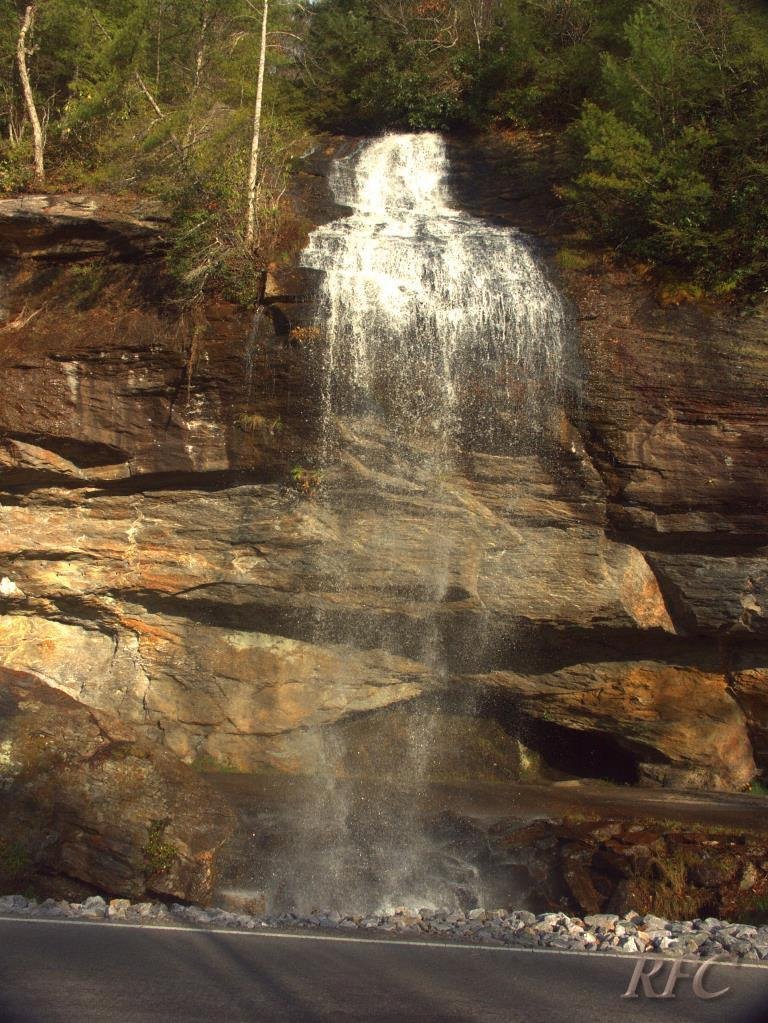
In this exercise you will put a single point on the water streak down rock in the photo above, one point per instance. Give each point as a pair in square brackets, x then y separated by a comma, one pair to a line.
[420, 300]
[440, 334]
[478, 567]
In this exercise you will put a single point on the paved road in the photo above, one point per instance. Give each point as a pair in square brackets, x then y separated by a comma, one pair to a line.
[83, 973]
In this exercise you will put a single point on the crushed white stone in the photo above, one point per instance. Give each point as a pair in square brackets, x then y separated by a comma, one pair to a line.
[631, 934]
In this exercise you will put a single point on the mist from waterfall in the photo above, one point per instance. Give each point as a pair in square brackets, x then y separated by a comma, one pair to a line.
[439, 332]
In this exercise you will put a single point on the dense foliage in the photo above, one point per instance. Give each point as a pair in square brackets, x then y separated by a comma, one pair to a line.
[664, 104]
[440, 64]
[158, 96]
[665, 101]
[674, 147]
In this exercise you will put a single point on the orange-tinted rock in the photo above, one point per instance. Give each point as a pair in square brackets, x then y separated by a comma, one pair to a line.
[81, 795]
[681, 723]
[749, 679]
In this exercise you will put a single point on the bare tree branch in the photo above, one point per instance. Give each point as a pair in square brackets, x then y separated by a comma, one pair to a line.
[180, 150]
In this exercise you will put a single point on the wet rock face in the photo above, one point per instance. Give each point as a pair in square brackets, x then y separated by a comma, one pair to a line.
[160, 558]
[84, 798]
[613, 867]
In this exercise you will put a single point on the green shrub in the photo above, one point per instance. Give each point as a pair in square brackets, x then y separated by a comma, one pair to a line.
[575, 259]
[160, 855]
[16, 167]
[673, 155]
[208, 250]
[307, 481]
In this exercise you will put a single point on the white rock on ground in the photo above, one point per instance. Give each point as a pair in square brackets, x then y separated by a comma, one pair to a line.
[631, 934]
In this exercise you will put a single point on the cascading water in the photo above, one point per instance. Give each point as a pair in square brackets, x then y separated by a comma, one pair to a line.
[421, 301]
[439, 333]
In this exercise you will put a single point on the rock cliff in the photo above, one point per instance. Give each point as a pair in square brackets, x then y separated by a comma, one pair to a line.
[86, 804]
[162, 560]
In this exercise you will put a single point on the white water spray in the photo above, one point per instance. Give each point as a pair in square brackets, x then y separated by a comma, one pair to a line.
[439, 333]
[420, 300]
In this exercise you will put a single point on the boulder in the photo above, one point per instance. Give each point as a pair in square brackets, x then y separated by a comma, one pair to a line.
[653, 710]
[84, 798]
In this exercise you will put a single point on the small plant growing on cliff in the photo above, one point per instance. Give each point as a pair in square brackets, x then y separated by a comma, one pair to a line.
[307, 481]
[575, 259]
[757, 913]
[205, 763]
[160, 854]
[87, 282]
[253, 423]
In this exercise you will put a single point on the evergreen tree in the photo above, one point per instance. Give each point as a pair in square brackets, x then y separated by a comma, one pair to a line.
[665, 104]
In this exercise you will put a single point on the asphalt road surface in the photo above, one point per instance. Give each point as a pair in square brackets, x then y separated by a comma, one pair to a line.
[81, 973]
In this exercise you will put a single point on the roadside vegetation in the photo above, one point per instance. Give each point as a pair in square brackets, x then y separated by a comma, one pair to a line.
[663, 105]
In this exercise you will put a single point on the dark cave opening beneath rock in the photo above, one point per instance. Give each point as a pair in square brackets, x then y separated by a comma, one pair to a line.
[565, 751]
[584, 754]
[481, 737]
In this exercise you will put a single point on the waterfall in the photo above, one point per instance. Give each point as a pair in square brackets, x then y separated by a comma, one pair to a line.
[440, 333]
[421, 303]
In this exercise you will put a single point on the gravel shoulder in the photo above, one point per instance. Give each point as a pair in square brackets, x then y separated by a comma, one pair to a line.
[630, 935]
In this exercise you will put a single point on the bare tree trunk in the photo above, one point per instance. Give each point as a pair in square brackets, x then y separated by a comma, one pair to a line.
[21, 59]
[250, 231]
[205, 19]
[158, 39]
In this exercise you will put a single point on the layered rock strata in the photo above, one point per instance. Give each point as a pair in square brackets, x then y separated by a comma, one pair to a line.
[165, 555]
